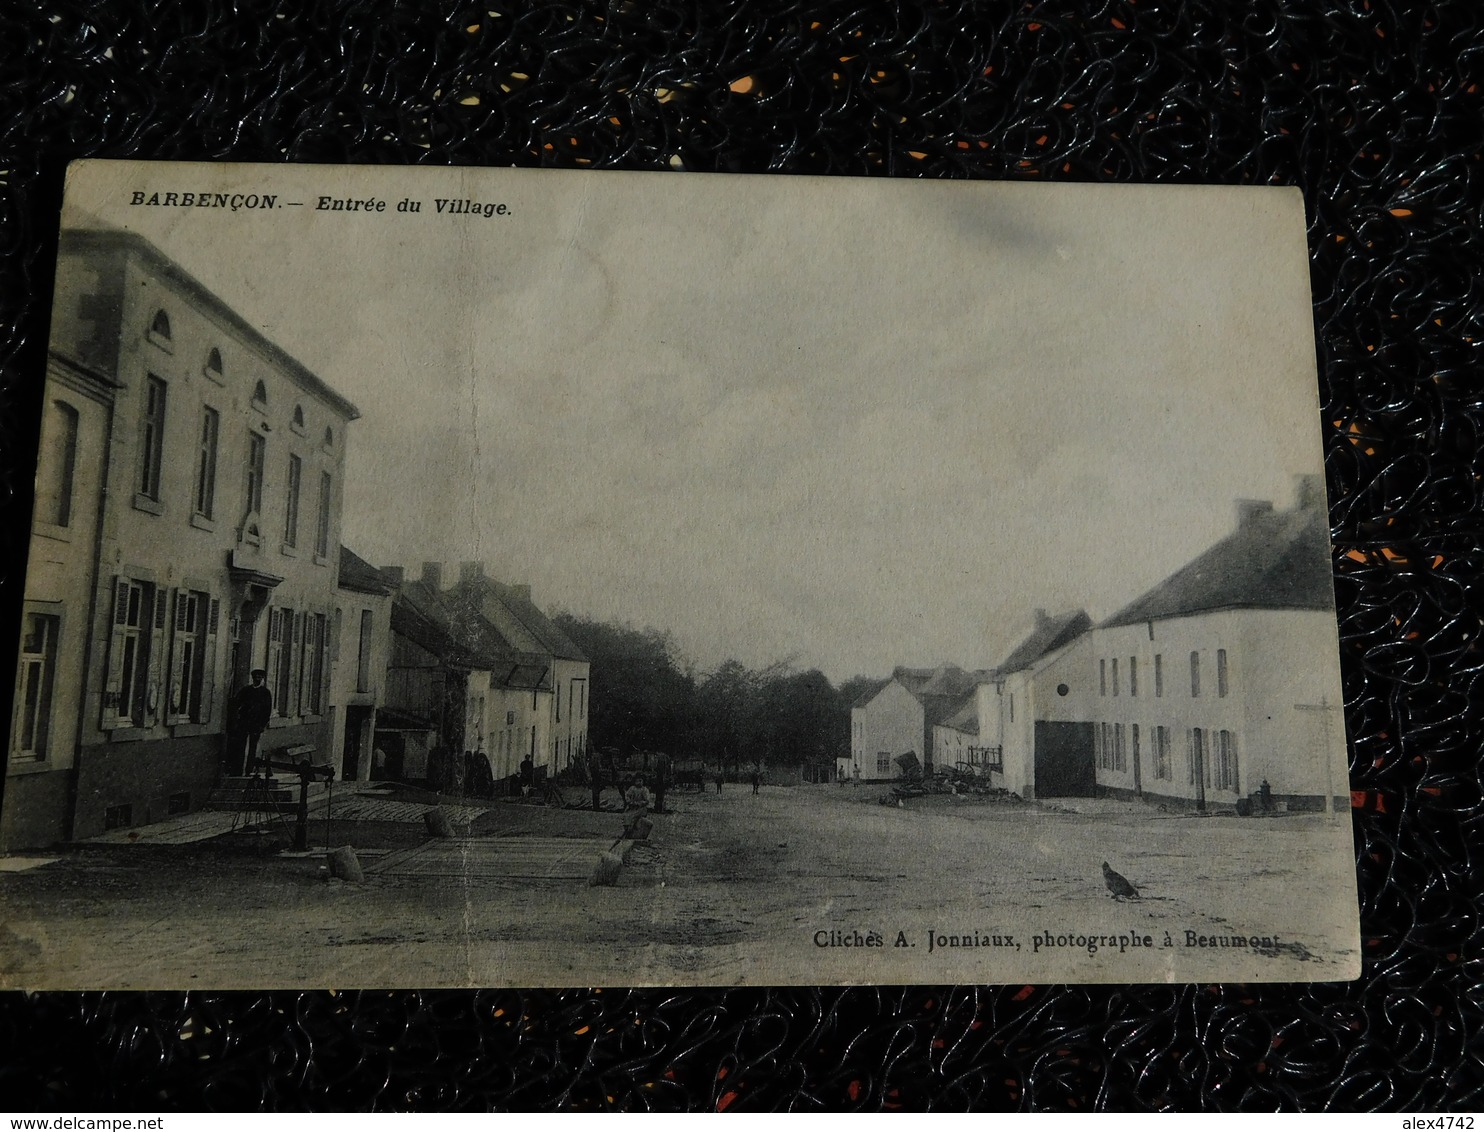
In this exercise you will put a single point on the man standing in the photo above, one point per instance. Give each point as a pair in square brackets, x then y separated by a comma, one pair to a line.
[661, 780]
[252, 708]
[595, 780]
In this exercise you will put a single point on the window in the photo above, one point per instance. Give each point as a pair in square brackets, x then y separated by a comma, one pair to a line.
[1102, 677]
[329, 438]
[118, 817]
[160, 327]
[260, 395]
[280, 660]
[1161, 738]
[186, 652]
[1103, 746]
[57, 465]
[510, 719]
[318, 642]
[298, 421]
[205, 505]
[1221, 672]
[1226, 761]
[322, 528]
[213, 366]
[1012, 707]
[1159, 675]
[291, 514]
[363, 653]
[1195, 674]
[1133, 742]
[151, 438]
[1133, 676]
[257, 449]
[1115, 676]
[1197, 770]
[558, 702]
[883, 762]
[130, 697]
[193, 657]
[1120, 761]
[31, 726]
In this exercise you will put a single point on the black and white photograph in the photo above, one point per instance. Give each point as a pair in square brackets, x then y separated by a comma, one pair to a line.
[455, 577]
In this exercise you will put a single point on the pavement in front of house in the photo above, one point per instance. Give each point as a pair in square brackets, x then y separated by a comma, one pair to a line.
[374, 808]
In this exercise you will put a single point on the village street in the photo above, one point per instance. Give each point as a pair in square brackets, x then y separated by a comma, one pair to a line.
[728, 888]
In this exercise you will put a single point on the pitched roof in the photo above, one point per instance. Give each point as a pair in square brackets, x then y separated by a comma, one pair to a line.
[966, 718]
[945, 680]
[464, 638]
[525, 621]
[411, 619]
[359, 576]
[518, 601]
[870, 693]
[1050, 634]
[1273, 560]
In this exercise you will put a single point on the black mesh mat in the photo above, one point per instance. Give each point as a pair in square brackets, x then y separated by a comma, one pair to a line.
[1375, 109]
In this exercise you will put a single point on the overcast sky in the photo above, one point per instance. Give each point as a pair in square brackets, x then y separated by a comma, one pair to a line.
[858, 423]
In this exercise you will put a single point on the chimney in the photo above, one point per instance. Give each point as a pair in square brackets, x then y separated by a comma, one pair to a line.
[433, 575]
[396, 575]
[1308, 493]
[470, 572]
[1250, 509]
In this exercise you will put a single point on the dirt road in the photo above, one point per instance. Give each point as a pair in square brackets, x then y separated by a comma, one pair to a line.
[731, 888]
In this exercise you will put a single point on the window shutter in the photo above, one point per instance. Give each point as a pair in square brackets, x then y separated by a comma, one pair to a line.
[113, 681]
[327, 658]
[178, 676]
[207, 702]
[300, 622]
[154, 707]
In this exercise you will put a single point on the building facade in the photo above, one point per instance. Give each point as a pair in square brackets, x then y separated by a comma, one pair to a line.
[360, 658]
[561, 736]
[1221, 683]
[459, 690]
[61, 577]
[217, 544]
[1042, 698]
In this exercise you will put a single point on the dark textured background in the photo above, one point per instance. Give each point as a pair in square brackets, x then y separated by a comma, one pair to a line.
[1375, 109]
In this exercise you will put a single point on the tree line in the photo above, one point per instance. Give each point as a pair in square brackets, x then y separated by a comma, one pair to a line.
[645, 696]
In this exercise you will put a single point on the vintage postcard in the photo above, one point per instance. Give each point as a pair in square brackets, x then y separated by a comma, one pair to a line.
[484, 577]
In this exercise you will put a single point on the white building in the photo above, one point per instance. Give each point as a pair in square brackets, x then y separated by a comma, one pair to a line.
[527, 630]
[200, 470]
[363, 614]
[76, 421]
[1225, 676]
[899, 717]
[1042, 699]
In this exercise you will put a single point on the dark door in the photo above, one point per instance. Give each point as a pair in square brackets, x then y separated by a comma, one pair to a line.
[1064, 760]
[350, 766]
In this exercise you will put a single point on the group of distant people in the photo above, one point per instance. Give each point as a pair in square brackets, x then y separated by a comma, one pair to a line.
[252, 709]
